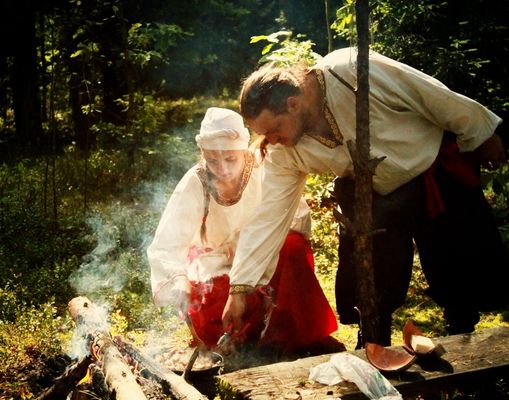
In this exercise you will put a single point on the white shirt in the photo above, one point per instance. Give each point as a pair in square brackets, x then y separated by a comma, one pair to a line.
[409, 112]
[179, 231]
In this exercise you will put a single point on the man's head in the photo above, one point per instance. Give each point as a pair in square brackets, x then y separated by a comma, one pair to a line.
[269, 87]
[271, 103]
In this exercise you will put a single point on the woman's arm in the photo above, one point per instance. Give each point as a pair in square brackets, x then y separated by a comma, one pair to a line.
[179, 224]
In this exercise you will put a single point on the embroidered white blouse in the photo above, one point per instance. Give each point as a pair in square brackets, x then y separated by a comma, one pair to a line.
[409, 112]
[178, 232]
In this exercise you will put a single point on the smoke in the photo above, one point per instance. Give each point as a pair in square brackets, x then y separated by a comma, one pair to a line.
[123, 230]
[79, 345]
[115, 275]
[97, 273]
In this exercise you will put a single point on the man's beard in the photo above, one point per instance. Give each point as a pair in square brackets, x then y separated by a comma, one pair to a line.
[303, 126]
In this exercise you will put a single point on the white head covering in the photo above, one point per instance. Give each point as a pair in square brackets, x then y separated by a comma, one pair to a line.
[222, 129]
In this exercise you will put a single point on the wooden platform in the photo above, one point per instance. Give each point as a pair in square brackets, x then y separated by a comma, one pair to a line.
[468, 358]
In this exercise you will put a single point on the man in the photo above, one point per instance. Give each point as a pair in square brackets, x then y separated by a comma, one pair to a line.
[426, 190]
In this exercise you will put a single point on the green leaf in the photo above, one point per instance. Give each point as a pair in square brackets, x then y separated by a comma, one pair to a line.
[267, 48]
[77, 53]
[256, 39]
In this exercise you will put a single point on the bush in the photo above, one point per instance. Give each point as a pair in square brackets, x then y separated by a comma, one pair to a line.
[37, 334]
[324, 227]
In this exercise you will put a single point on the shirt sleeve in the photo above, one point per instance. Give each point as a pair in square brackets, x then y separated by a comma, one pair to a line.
[402, 86]
[262, 238]
[301, 221]
[179, 224]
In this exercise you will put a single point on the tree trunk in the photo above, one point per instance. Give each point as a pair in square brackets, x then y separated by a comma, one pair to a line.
[366, 293]
[25, 87]
[330, 44]
[115, 79]
[128, 69]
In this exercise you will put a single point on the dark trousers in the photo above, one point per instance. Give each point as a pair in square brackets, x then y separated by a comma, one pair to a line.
[461, 252]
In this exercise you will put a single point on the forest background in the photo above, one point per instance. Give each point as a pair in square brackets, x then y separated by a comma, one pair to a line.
[99, 104]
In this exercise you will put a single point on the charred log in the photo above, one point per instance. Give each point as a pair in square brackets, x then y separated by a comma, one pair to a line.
[68, 380]
[118, 376]
[172, 383]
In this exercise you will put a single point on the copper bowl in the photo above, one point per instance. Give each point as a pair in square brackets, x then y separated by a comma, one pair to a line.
[389, 359]
[415, 341]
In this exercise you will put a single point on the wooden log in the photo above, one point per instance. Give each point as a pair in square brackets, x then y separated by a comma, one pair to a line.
[468, 358]
[66, 382]
[119, 378]
[172, 383]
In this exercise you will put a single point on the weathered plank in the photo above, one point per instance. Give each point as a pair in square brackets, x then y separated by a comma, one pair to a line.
[468, 358]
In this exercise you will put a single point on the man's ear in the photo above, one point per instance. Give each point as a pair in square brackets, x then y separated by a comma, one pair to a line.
[292, 104]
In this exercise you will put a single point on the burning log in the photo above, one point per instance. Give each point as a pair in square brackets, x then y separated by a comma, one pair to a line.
[169, 380]
[118, 375]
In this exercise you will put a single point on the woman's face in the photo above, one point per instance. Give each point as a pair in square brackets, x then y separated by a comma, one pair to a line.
[225, 165]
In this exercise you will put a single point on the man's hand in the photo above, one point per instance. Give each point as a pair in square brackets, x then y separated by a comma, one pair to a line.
[233, 312]
[491, 154]
[180, 294]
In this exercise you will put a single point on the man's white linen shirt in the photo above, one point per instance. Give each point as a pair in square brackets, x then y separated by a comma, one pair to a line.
[409, 111]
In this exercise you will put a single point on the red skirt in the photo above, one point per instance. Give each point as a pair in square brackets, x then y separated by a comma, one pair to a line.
[289, 313]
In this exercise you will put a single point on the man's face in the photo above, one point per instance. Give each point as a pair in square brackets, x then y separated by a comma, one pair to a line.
[286, 128]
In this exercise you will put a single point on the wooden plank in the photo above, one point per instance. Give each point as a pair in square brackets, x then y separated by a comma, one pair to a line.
[468, 358]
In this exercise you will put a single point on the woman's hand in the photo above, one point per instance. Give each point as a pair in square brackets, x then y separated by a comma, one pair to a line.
[180, 294]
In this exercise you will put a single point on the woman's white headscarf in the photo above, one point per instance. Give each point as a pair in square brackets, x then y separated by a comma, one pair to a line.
[222, 129]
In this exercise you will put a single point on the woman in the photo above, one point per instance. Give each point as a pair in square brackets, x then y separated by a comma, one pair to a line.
[195, 242]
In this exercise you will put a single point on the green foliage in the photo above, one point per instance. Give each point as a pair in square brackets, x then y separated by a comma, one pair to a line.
[496, 184]
[324, 236]
[149, 43]
[287, 51]
[44, 203]
[38, 333]
[463, 46]
[10, 305]
[36, 251]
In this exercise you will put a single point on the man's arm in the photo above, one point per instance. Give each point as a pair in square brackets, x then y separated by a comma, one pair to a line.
[233, 312]
[402, 86]
[261, 240]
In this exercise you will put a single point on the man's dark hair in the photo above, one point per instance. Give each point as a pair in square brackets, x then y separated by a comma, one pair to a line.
[269, 87]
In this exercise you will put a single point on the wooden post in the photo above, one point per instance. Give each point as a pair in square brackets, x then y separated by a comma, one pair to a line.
[364, 170]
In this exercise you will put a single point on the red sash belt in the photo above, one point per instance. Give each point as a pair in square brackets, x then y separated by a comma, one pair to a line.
[456, 165]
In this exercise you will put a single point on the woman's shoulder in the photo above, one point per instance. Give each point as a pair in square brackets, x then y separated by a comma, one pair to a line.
[192, 179]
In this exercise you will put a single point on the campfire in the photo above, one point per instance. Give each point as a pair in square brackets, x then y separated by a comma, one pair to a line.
[114, 368]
